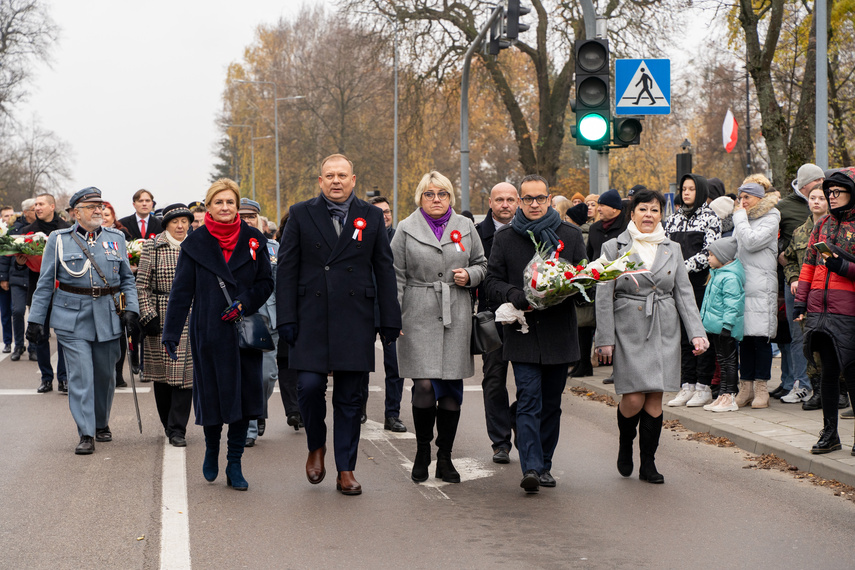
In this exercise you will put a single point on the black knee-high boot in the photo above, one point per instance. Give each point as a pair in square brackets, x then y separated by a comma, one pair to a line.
[210, 466]
[236, 443]
[423, 419]
[446, 430]
[648, 441]
[627, 427]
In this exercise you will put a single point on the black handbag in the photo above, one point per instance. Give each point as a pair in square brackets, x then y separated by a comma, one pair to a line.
[253, 331]
[485, 335]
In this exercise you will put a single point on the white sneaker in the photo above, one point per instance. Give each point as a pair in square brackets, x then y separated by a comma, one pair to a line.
[714, 402]
[685, 394]
[701, 397]
[727, 404]
[797, 394]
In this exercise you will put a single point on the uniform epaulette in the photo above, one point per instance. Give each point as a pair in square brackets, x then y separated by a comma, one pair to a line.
[112, 230]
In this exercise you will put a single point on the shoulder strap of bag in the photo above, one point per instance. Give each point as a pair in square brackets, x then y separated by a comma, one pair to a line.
[226, 293]
[100, 273]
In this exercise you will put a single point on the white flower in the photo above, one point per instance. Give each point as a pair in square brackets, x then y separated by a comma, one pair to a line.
[597, 265]
[4, 229]
[19, 240]
[618, 265]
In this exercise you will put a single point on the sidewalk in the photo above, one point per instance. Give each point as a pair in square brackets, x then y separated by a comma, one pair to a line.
[786, 430]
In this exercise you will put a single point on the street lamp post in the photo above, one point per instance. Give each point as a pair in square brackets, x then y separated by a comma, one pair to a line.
[252, 158]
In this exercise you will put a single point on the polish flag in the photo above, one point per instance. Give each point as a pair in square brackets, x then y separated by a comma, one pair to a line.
[729, 131]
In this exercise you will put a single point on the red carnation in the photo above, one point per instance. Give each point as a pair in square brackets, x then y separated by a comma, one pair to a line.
[568, 275]
[596, 274]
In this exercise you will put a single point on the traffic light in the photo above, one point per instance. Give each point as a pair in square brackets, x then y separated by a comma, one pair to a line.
[593, 101]
[514, 27]
[627, 130]
[372, 193]
[498, 41]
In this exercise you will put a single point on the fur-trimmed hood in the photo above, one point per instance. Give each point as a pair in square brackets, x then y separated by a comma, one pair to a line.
[763, 207]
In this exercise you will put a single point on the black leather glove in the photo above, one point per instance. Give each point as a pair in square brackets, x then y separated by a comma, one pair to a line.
[725, 333]
[152, 328]
[35, 333]
[518, 300]
[288, 333]
[799, 309]
[131, 321]
[389, 334]
[837, 265]
[171, 349]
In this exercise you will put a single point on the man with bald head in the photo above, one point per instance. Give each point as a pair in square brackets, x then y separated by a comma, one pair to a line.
[504, 201]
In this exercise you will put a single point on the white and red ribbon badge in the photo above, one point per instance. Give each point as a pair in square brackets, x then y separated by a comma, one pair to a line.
[456, 237]
[253, 245]
[559, 249]
[360, 224]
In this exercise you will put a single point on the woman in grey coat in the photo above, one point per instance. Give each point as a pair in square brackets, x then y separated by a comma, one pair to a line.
[755, 227]
[438, 257]
[638, 325]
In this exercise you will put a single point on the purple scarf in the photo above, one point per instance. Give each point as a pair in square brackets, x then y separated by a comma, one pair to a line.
[437, 226]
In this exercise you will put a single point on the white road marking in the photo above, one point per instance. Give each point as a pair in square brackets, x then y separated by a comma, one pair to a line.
[473, 388]
[174, 524]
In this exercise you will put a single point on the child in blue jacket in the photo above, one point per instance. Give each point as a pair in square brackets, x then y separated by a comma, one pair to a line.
[722, 314]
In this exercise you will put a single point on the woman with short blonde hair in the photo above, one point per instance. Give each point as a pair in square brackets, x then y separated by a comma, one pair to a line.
[437, 180]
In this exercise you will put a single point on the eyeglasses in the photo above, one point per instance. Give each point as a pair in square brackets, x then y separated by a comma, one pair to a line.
[527, 200]
[441, 195]
[387, 212]
[248, 216]
[93, 207]
[837, 192]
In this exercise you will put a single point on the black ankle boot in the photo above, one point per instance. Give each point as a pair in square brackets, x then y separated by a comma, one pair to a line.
[423, 420]
[828, 439]
[236, 443]
[210, 467]
[648, 441]
[627, 427]
[815, 401]
[446, 430]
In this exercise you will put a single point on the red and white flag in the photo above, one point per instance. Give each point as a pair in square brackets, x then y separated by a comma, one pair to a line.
[729, 131]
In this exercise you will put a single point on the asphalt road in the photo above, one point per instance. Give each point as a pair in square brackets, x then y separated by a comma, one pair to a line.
[58, 510]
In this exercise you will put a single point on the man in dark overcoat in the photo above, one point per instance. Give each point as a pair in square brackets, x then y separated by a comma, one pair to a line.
[504, 201]
[542, 356]
[333, 251]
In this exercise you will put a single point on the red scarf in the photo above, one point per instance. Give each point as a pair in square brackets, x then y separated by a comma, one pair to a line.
[226, 234]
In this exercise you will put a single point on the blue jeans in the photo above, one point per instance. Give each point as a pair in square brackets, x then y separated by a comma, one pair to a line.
[798, 362]
[755, 358]
[787, 379]
[539, 390]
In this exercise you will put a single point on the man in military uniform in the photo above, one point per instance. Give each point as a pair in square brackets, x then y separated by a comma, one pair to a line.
[90, 263]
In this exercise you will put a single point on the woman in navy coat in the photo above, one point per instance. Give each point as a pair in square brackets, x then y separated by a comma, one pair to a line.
[227, 386]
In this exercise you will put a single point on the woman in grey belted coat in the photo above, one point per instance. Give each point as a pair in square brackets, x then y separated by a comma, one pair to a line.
[438, 258]
[638, 325]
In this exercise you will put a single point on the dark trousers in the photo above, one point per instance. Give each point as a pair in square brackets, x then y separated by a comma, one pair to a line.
[19, 310]
[725, 353]
[586, 341]
[173, 407]
[539, 390]
[830, 386]
[347, 407]
[755, 358]
[394, 382]
[6, 315]
[496, 402]
[45, 367]
[695, 369]
[287, 380]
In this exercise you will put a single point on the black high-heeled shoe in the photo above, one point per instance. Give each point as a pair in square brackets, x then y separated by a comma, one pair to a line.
[295, 420]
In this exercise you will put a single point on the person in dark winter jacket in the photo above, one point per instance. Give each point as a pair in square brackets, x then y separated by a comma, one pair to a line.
[17, 279]
[694, 226]
[826, 295]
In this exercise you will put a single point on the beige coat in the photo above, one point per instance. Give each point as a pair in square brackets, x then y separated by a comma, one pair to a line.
[437, 314]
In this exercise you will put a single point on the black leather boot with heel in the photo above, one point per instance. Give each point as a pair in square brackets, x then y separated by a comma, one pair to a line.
[650, 429]
[446, 430]
[423, 420]
[627, 427]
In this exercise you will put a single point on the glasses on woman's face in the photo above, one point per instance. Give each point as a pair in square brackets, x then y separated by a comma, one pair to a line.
[837, 192]
[430, 195]
[527, 200]
[101, 207]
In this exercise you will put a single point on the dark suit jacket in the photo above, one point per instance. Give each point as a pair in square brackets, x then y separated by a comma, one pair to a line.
[326, 285]
[552, 337]
[486, 230]
[153, 226]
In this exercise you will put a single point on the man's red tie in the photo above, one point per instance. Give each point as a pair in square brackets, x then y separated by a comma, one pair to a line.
[142, 228]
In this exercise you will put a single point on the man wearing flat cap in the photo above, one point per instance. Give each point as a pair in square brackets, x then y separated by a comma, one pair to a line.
[96, 286]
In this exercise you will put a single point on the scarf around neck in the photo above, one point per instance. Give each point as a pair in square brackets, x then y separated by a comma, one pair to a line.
[437, 226]
[225, 234]
[543, 228]
[338, 210]
[172, 241]
[645, 245]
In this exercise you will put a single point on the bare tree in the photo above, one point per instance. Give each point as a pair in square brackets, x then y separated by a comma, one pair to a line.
[26, 34]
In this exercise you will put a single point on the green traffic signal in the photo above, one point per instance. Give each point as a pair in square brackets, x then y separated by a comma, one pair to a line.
[594, 128]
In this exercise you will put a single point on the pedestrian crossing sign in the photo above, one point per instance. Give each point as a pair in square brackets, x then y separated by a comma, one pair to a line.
[642, 86]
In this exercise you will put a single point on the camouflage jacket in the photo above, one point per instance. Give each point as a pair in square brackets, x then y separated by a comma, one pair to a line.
[795, 252]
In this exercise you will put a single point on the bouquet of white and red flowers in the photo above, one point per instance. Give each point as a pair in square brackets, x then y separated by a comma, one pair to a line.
[32, 245]
[135, 251]
[549, 280]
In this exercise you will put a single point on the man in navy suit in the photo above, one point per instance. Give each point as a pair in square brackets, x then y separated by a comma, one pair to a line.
[332, 253]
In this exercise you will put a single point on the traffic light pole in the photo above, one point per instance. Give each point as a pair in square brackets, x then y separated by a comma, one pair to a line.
[464, 107]
[598, 161]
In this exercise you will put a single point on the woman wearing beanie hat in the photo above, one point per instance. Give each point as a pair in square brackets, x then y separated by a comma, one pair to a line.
[694, 226]
[755, 227]
[826, 299]
[577, 198]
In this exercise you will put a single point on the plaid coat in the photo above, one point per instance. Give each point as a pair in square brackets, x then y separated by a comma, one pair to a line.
[154, 280]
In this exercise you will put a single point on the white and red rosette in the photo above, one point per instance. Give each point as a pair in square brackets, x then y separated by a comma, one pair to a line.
[360, 224]
[456, 237]
[253, 245]
[559, 249]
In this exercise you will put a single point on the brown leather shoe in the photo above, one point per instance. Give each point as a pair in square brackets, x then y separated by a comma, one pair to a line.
[347, 484]
[315, 470]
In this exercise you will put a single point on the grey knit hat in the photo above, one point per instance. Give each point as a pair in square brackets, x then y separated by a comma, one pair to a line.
[724, 249]
[807, 173]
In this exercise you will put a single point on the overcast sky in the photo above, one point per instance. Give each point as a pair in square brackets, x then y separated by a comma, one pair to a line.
[135, 87]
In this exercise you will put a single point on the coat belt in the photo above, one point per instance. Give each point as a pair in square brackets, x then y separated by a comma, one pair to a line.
[91, 292]
[650, 301]
[443, 289]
